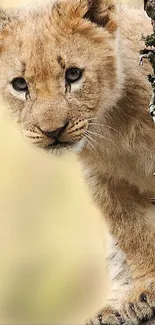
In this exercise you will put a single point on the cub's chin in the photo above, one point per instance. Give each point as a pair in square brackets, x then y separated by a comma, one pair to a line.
[59, 149]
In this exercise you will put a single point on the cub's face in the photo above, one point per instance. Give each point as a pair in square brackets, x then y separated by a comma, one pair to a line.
[59, 69]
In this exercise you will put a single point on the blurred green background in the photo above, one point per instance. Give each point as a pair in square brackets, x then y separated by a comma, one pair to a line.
[52, 248]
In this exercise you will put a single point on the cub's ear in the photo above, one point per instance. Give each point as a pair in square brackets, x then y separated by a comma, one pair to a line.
[3, 18]
[4, 21]
[7, 16]
[103, 13]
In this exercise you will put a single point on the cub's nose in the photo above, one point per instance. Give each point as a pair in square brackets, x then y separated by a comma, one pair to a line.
[54, 134]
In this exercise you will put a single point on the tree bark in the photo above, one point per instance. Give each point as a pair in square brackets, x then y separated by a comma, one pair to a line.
[149, 51]
[148, 322]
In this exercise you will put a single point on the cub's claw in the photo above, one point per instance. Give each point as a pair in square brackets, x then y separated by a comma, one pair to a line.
[107, 316]
[136, 309]
[140, 306]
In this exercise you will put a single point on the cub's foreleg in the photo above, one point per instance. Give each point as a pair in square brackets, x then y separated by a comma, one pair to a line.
[131, 221]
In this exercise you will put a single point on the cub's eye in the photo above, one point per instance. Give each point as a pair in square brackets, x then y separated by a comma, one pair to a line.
[73, 75]
[20, 84]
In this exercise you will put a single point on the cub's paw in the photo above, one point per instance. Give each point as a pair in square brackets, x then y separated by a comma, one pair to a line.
[107, 316]
[140, 305]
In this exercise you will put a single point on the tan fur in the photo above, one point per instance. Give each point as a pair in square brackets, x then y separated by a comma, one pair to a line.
[107, 122]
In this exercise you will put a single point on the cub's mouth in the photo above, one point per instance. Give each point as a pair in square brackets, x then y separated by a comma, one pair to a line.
[59, 146]
[70, 136]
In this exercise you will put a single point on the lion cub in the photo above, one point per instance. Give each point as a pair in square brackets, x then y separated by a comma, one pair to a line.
[69, 70]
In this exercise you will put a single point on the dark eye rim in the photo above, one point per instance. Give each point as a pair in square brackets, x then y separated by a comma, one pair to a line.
[78, 77]
[15, 86]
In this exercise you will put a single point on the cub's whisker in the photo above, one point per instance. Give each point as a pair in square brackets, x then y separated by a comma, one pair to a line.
[108, 127]
[102, 137]
[92, 118]
[98, 144]
[86, 138]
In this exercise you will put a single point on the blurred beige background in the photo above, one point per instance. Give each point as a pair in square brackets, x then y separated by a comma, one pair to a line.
[52, 249]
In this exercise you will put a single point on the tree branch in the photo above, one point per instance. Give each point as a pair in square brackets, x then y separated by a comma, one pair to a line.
[149, 51]
[148, 322]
